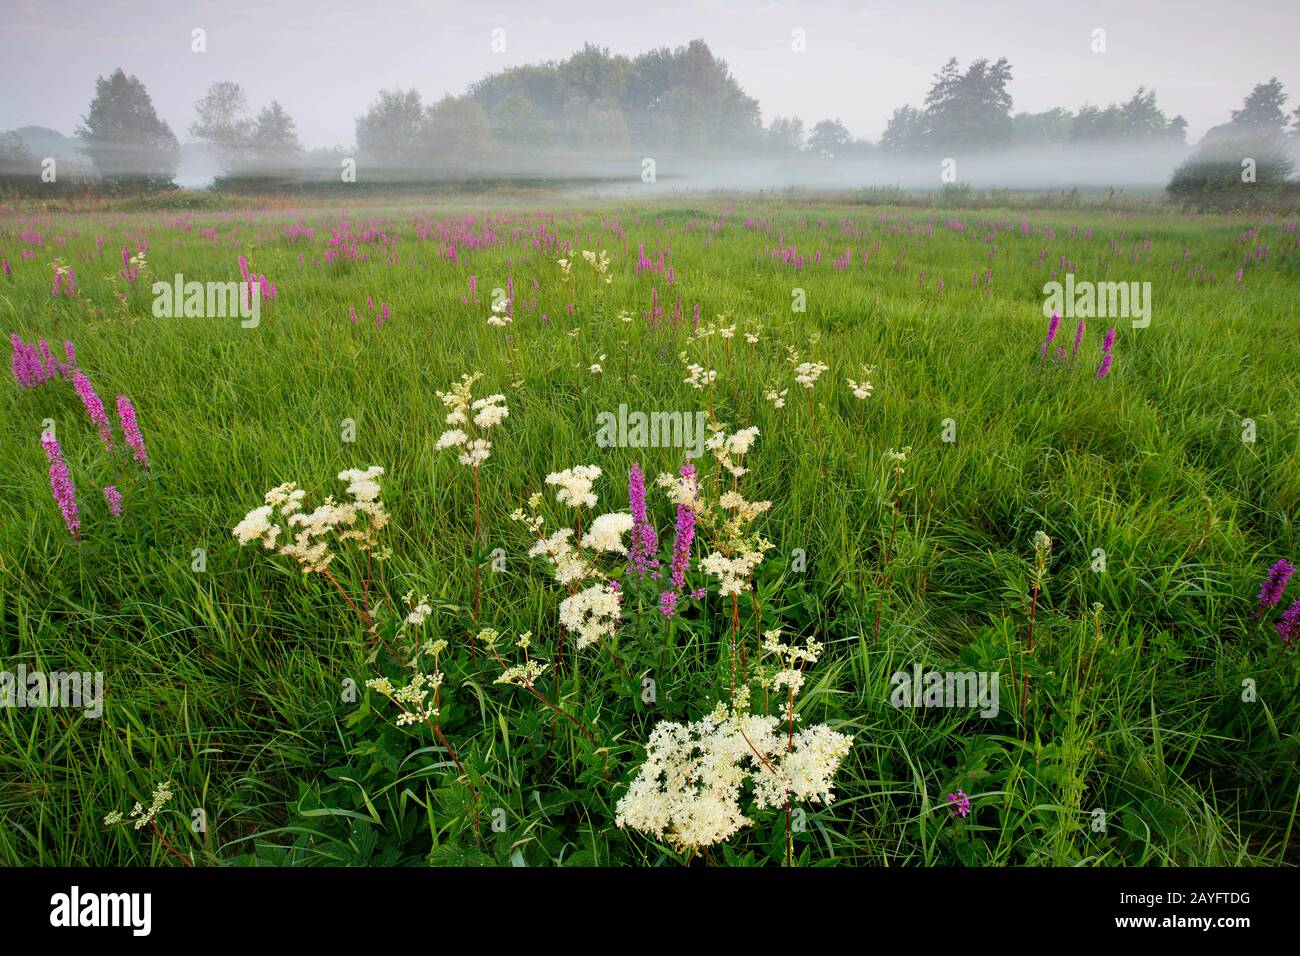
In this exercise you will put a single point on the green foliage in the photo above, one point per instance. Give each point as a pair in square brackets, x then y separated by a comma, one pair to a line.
[234, 682]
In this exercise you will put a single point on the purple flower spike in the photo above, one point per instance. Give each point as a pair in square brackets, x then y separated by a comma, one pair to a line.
[1270, 592]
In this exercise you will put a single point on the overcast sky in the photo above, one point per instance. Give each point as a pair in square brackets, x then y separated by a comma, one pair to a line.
[325, 60]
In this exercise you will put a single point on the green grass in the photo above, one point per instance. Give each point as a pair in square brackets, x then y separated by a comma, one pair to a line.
[230, 682]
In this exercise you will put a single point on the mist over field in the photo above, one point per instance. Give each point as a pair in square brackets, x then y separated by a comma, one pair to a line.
[725, 95]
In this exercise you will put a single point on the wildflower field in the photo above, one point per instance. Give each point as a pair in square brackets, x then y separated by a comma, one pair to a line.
[631, 534]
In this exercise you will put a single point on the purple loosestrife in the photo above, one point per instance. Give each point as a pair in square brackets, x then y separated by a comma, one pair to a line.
[643, 558]
[1270, 592]
[61, 484]
[1107, 358]
[94, 407]
[25, 363]
[1078, 337]
[131, 430]
[1288, 625]
[114, 499]
[683, 538]
[960, 804]
[668, 603]
[1051, 332]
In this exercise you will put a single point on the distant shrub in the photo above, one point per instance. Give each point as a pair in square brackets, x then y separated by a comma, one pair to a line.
[1236, 170]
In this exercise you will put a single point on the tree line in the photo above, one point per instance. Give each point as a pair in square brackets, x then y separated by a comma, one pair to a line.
[665, 101]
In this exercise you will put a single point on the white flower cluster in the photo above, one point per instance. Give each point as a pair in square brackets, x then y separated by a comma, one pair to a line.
[481, 415]
[599, 262]
[522, 675]
[689, 789]
[862, 390]
[898, 457]
[733, 572]
[698, 377]
[500, 316]
[420, 609]
[1042, 551]
[681, 490]
[359, 520]
[569, 565]
[162, 793]
[413, 698]
[606, 532]
[807, 373]
[592, 613]
[725, 446]
[574, 485]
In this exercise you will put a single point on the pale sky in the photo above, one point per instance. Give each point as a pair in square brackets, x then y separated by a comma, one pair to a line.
[325, 60]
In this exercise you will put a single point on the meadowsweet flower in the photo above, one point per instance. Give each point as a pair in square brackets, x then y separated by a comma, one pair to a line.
[131, 430]
[574, 485]
[61, 484]
[522, 675]
[606, 532]
[141, 816]
[419, 610]
[476, 452]
[777, 398]
[569, 566]
[450, 438]
[733, 572]
[591, 613]
[807, 373]
[1270, 592]
[689, 789]
[862, 390]
[114, 499]
[1042, 552]
[698, 377]
[359, 520]
[898, 457]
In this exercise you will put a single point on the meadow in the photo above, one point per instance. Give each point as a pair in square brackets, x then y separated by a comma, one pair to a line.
[1090, 521]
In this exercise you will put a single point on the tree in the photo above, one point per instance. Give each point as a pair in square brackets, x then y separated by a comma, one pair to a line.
[456, 133]
[1138, 119]
[1244, 162]
[1051, 127]
[785, 135]
[19, 169]
[905, 131]
[970, 110]
[1262, 109]
[274, 140]
[520, 123]
[124, 138]
[391, 132]
[219, 122]
[829, 139]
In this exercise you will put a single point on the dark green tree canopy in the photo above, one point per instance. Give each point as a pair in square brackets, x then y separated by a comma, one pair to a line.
[124, 138]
